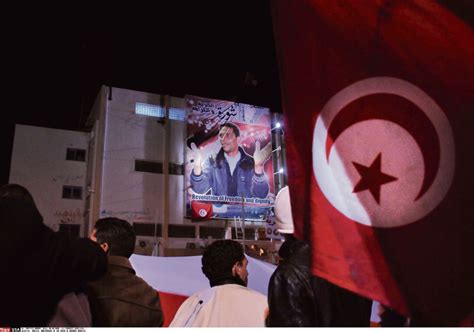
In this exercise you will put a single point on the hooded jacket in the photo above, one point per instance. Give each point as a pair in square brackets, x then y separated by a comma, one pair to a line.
[39, 266]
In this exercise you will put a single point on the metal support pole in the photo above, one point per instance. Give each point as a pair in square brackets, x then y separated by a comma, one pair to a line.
[166, 161]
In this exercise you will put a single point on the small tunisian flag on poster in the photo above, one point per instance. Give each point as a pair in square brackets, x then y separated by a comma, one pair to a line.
[201, 210]
[379, 104]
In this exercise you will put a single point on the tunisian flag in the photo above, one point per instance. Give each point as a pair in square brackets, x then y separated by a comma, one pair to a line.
[201, 210]
[379, 104]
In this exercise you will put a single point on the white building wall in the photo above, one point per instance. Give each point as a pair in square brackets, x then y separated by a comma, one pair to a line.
[39, 164]
[119, 137]
[129, 194]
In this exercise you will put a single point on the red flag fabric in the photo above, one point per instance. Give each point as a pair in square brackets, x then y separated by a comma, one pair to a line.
[378, 99]
[201, 211]
[170, 304]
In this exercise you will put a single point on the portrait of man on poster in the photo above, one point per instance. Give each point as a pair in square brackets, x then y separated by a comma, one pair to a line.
[232, 171]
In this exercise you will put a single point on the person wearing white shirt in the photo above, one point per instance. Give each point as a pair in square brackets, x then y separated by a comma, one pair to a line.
[228, 303]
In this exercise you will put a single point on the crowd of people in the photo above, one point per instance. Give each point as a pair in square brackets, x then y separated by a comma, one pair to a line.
[50, 279]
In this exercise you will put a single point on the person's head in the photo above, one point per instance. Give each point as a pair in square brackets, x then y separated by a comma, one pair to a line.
[224, 259]
[16, 191]
[229, 137]
[115, 236]
[19, 218]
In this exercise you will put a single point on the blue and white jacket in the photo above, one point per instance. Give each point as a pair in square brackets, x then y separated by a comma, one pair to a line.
[216, 176]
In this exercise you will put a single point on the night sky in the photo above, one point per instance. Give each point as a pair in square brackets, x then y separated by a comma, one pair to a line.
[56, 58]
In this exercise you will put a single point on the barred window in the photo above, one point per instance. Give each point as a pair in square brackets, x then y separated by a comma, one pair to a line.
[76, 154]
[72, 192]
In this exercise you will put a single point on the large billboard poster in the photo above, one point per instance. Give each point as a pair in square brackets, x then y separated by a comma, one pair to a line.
[229, 171]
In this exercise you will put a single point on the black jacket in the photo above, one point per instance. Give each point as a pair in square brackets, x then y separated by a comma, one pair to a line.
[291, 300]
[39, 266]
[297, 298]
[339, 307]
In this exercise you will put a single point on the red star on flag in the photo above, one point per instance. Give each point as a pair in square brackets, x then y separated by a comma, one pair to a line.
[372, 177]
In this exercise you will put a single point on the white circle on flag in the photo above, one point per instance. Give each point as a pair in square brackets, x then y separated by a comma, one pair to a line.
[202, 212]
[401, 158]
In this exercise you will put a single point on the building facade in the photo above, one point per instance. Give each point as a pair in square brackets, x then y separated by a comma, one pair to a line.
[51, 163]
[132, 169]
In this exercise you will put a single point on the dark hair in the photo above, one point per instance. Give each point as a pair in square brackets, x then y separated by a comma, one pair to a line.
[285, 250]
[233, 126]
[16, 191]
[219, 258]
[118, 234]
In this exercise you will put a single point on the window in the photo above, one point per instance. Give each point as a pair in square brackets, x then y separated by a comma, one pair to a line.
[176, 169]
[72, 192]
[177, 114]
[159, 112]
[213, 232]
[146, 229]
[181, 231]
[150, 110]
[148, 166]
[157, 167]
[249, 234]
[76, 154]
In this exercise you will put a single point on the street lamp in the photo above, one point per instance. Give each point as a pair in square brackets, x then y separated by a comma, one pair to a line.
[277, 126]
[280, 171]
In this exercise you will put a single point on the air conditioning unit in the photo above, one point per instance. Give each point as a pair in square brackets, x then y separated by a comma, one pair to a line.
[144, 245]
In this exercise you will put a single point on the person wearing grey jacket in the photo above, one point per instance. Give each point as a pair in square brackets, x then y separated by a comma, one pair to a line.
[232, 172]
